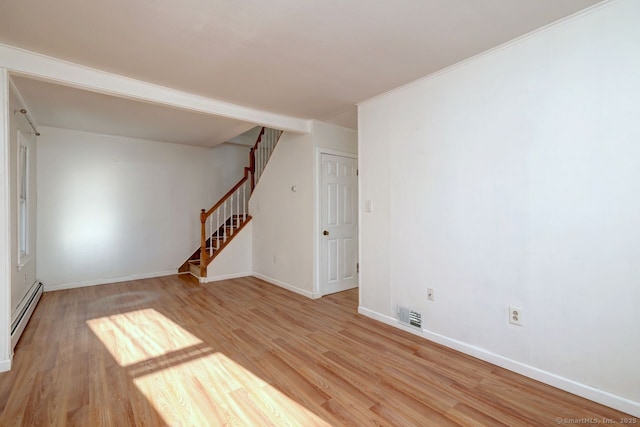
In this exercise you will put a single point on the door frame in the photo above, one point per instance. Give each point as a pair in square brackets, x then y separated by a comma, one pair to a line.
[6, 353]
[317, 223]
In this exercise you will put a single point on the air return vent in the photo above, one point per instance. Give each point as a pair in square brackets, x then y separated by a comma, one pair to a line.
[409, 317]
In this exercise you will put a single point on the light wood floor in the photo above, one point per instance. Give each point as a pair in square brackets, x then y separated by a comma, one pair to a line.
[169, 351]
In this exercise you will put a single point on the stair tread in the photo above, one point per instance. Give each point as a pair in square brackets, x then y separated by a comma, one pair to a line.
[221, 234]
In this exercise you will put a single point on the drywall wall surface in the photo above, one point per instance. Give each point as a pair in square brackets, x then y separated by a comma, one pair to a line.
[113, 207]
[236, 258]
[337, 138]
[513, 179]
[227, 168]
[247, 138]
[375, 224]
[282, 218]
[284, 207]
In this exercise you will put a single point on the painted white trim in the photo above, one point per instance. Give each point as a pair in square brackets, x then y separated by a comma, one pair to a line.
[317, 226]
[96, 282]
[388, 320]
[334, 125]
[287, 286]
[35, 65]
[24, 302]
[225, 277]
[322, 150]
[15, 337]
[360, 193]
[24, 142]
[21, 100]
[5, 226]
[26, 260]
[578, 15]
[605, 398]
[316, 221]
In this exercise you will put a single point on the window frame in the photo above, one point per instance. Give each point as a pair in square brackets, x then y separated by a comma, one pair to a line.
[23, 199]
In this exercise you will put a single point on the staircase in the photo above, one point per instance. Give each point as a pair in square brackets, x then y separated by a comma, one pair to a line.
[225, 219]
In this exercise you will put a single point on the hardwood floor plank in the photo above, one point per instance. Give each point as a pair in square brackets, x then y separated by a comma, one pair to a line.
[351, 415]
[170, 351]
[468, 416]
[333, 385]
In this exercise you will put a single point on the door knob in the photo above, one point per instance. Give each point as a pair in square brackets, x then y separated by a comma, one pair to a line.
[325, 232]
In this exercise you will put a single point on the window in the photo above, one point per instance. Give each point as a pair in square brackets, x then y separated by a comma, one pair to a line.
[23, 197]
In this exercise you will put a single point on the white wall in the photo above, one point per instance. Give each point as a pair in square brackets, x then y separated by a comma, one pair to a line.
[112, 207]
[514, 179]
[285, 230]
[331, 137]
[236, 258]
[227, 163]
[247, 138]
[283, 219]
[5, 231]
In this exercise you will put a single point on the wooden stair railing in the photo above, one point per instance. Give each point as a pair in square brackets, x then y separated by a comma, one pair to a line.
[229, 215]
[224, 219]
[261, 151]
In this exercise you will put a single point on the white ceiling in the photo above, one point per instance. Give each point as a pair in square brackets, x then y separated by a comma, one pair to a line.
[70, 108]
[310, 59]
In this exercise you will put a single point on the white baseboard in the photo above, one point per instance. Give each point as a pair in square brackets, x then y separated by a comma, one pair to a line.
[566, 384]
[19, 324]
[73, 285]
[224, 277]
[287, 286]
[5, 365]
[25, 300]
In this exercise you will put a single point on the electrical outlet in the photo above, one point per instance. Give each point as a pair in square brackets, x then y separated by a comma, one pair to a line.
[430, 295]
[515, 315]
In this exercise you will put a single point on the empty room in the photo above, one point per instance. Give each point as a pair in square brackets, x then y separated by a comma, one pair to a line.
[319, 213]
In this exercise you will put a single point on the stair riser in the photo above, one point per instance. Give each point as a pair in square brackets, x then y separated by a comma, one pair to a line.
[219, 237]
[194, 269]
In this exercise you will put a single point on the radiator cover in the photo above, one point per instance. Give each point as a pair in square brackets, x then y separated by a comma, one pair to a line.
[21, 320]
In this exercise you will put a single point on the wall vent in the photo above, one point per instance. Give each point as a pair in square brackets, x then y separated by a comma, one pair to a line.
[409, 317]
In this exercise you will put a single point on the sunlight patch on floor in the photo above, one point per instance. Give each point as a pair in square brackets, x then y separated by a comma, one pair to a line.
[140, 335]
[188, 382]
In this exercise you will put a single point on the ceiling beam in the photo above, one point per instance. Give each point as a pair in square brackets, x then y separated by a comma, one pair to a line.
[35, 65]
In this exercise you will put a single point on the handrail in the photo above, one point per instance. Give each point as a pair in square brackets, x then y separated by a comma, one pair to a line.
[224, 220]
[247, 170]
[222, 200]
[223, 231]
[261, 151]
[252, 158]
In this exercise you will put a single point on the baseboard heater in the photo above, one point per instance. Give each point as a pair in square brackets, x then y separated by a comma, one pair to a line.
[25, 310]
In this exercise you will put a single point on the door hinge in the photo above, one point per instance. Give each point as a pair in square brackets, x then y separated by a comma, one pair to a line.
[357, 267]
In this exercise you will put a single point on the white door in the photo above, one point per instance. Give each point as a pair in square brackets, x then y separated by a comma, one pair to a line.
[338, 224]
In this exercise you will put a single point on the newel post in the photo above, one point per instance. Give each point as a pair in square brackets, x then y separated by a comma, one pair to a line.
[252, 167]
[203, 243]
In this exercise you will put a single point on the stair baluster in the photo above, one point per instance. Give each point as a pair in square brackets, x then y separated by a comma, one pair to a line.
[219, 233]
